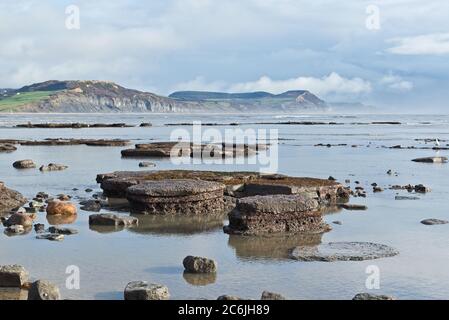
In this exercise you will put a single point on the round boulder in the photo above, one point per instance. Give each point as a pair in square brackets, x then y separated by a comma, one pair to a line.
[24, 164]
[60, 208]
[199, 265]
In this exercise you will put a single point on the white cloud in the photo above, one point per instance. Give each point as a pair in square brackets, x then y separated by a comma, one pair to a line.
[330, 84]
[200, 84]
[428, 44]
[396, 83]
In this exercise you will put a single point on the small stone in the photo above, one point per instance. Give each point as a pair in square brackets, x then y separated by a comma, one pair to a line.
[16, 229]
[43, 290]
[405, 198]
[88, 190]
[431, 222]
[377, 189]
[91, 205]
[141, 290]
[338, 223]
[421, 189]
[13, 276]
[390, 172]
[199, 265]
[331, 178]
[53, 167]
[64, 231]
[24, 164]
[228, 298]
[368, 296]
[145, 125]
[146, 164]
[353, 207]
[39, 228]
[266, 295]
[64, 197]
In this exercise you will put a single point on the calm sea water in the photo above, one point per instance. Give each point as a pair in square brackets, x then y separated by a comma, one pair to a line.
[154, 251]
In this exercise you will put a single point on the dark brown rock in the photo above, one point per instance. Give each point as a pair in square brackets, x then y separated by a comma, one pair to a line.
[10, 199]
[43, 290]
[24, 164]
[199, 265]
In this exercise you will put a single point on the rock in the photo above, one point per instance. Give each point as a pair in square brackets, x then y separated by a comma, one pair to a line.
[145, 125]
[50, 236]
[36, 204]
[431, 160]
[368, 296]
[199, 265]
[331, 178]
[10, 199]
[13, 276]
[43, 290]
[21, 219]
[15, 229]
[39, 228]
[421, 189]
[141, 290]
[275, 214]
[377, 189]
[183, 197]
[24, 164]
[108, 219]
[431, 222]
[228, 298]
[266, 295]
[343, 251]
[353, 207]
[91, 205]
[5, 147]
[146, 164]
[64, 197]
[88, 190]
[390, 172]
[64, 231]
[338, 223]
[53, 167]
[405, 198]
[56, 208]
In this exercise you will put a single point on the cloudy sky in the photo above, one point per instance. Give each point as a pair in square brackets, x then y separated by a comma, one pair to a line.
[391, 53]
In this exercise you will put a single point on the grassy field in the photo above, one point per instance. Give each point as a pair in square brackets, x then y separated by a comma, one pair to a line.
[14, 102]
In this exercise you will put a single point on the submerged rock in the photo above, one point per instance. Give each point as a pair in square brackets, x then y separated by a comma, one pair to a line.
[64, 231]
[10, 199]
[141, 290]
[431, 222]
[146, 164]
[61, 208]
[50, 236]
[13, 276]
[53, 167]
[343, 251]
[24, 164]
[353, 207]
[108, 219]
[431, 160]
[43, 290]
[184, 197]
[276, 213]
[368, 296]
[199, 265]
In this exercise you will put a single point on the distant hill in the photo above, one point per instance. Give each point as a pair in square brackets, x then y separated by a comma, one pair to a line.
[103, 96]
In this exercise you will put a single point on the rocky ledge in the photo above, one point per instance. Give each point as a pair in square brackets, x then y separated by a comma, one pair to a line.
[67, 142]
[186, 197]
[276, 213]
[237, 184]
[9, 199]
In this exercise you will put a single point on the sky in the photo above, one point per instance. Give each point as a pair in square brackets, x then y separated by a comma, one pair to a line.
[390, 53]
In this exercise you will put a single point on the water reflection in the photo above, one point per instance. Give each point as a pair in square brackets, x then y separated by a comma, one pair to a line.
[59, 220]
[273, 247]
[178, 225]
[200, 280]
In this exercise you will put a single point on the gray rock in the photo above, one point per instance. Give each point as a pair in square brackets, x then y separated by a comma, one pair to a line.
[431, 160]
[91, 205]
[228, 298]
[43, 290]
[266, 295]
[353, 207]
[141, 290]
[53, 167]
[405, 198]
[146, 164]
[13, 276]
[343, 251]
[338, 223]
[39, 228]
[50, 236]
[24, 164]
[421, 188]
[431, 222]
[64, 231]
[10, 199]
[108, 219]
[368, 296]
[199, 265]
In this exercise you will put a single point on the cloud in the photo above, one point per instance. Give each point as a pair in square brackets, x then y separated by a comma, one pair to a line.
[200, 84]
[330, 84]
[428, 44]
[397, 83]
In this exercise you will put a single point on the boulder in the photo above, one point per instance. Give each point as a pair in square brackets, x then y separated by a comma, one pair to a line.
[199, 265]
[368, 296]
[266, 295]
[108, 219]
[13, 276]
[431, 160]
[10, 199]
[21, 219]
[183, 197]
[43, 290]
[24, 164]
[91, 205]
[141, 290]
[343, 251]
[431, 222]
[276, 214]
[6, 147]
[229, 298]
[53, 167]
[61, 208]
